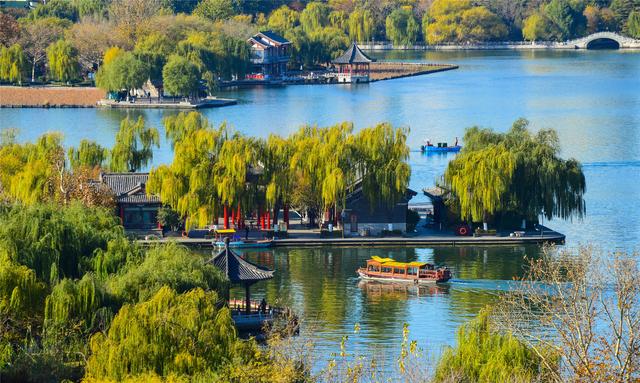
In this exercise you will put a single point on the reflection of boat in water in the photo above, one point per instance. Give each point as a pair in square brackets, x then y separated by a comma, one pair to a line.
[401, 290]
[389, 270]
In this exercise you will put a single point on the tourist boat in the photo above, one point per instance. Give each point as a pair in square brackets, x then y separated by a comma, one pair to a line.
[390, 270]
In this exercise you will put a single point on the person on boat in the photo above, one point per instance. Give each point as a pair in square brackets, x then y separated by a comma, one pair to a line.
[246, 233]
[456, 144]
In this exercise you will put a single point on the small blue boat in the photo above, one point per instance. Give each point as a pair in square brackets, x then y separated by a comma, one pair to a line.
[245, 244]
[440, 149]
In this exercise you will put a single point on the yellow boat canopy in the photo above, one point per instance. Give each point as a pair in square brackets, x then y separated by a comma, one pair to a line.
[226, 231]
[393, 263]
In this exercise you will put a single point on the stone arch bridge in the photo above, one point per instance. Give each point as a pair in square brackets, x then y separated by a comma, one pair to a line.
[610, 38]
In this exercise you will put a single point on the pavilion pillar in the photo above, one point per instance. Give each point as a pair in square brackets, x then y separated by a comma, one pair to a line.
[262, 219]
[239, 217]
[247, 298]
[226, 217]
[233, 216]
[268, 220]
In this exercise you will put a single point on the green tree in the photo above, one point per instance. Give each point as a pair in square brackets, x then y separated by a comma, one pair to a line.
[401, 27]
[216, 9]
[484, 355]
[169, 265]
[62, 9]
[515, 173]
[566, 18]
[536, 27]
[202, 336]
[314, 16]
[153, 50]
[13, 64]
[283, 19]
[63, 62]
[123, 72]
[633, 24]
[180, 76]
[480, 24]
[88, 155]
[133, 148]
[381, 155]
[443, 20]
[361, 25]
[185, 184]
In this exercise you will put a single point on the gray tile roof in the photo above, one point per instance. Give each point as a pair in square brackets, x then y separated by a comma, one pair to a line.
[239, 270]
[129, 187]
[353, 55]
[272, 36]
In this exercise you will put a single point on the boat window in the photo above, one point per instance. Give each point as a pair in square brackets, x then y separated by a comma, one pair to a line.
[412, 270]
[398, 271]
[386, 269]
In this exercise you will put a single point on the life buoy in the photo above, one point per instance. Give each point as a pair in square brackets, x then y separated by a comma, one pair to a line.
[463, 230]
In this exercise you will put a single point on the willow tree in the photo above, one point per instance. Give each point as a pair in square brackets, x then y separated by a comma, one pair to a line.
[201, 336]
[188, 184]
[88, 155]
[515, 173]
[361, 24]
[322, 161]
[63, 62]
[134, 146]
[381, 155]
[278, 174]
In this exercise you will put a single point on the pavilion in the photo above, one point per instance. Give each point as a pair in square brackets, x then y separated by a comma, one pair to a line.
[240, 271]
[353, 65]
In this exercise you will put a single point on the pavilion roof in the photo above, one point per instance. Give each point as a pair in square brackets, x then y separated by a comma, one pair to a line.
[237, 269]
[353, 55]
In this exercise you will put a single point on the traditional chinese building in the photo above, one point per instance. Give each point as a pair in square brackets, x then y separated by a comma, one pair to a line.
[359, 214]
[137, 210]
[353, 65]
[270, 54]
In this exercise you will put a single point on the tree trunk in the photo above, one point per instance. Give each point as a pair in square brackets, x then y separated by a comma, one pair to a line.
[33, 71]
[286, 215]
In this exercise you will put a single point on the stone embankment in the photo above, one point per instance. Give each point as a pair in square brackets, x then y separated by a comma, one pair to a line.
[390, 70]
[49, 97]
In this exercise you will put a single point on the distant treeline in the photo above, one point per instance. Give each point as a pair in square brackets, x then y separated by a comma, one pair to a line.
[205, 40]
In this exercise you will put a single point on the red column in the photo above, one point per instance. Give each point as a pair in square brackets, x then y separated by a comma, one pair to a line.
[239, 217]
[268, 220]
[286, 215]
[262, 219]
[226, 217]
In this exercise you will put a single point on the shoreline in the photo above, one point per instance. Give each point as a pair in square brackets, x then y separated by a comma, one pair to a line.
[301, 241]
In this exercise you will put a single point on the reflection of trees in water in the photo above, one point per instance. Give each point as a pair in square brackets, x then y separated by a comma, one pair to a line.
[493, 263]
[321, 283]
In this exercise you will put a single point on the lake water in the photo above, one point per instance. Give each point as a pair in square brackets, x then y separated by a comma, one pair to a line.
[592, 98]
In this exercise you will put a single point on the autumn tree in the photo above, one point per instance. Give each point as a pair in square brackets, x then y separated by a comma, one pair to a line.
[461, 21]
[91, 38]
[36, 37]
[9, 30]
[585, 306]
[131, 17]
[62, 60]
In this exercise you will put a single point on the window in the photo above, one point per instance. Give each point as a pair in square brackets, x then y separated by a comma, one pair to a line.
[398, 271]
